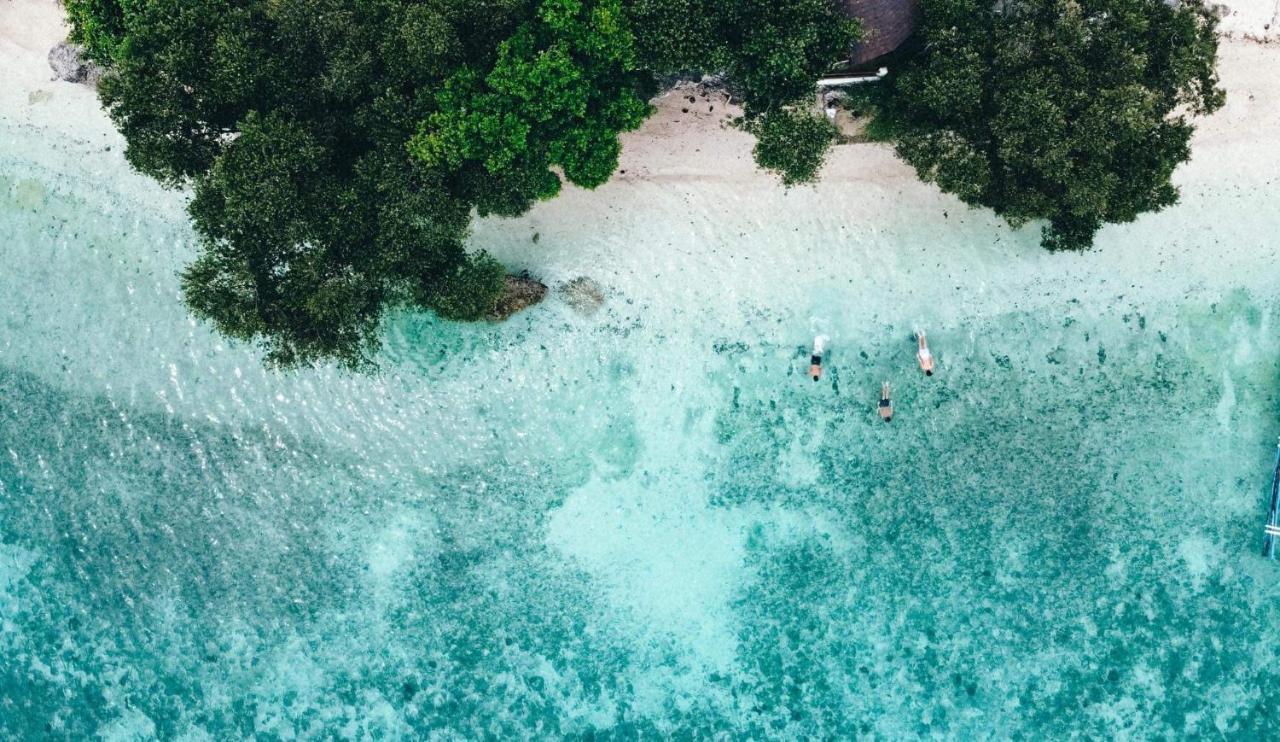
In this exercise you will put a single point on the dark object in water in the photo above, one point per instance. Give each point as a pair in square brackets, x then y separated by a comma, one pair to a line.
[1272, 530]
[518, 293]
[583, 294]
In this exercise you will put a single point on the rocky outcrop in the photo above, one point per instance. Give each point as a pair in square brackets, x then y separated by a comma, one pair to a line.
[519, 293]
[68, 64]
[583, 294]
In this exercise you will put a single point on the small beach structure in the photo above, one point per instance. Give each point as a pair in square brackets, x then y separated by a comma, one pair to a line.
[1272, 530]
[885, 25]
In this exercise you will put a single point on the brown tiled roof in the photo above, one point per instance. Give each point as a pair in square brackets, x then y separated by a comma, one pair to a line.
[885, 25]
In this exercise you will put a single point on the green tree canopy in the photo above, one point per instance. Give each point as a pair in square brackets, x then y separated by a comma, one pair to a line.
[98, 26]
[792, 143]
[773, 51]
[557, 94]
[337, 148]
[1071, 111]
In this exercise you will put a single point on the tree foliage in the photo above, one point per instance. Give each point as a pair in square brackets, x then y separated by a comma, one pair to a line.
[776, 49]
[1071, 111]
[772, 50]
[98, 26]
[792, 143]
[559, 91]
[337, 148]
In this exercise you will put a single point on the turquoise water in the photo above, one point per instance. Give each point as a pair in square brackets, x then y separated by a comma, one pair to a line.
[648, 522]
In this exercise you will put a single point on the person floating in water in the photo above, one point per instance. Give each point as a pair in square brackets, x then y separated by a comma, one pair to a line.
[886, 404]
[923, 355]
[815, 359]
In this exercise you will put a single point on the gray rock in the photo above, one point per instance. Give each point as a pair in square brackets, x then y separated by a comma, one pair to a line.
[583, 294]
[519, 293]
[68, 64]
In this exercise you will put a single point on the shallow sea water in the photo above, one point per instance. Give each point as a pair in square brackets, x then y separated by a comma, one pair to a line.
[648, 522]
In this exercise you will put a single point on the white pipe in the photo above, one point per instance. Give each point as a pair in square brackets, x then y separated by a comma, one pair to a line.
[831, 82]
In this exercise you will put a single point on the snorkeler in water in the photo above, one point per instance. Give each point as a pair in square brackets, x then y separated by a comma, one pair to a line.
[923, 355]
[815, 358]
[886, 404]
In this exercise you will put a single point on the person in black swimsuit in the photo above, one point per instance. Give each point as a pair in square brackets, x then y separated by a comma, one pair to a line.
[815, 358]
[886, 404]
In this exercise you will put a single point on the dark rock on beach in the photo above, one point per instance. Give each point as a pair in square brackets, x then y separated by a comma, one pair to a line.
[519, 293]
[583, 294]
[68, 64]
